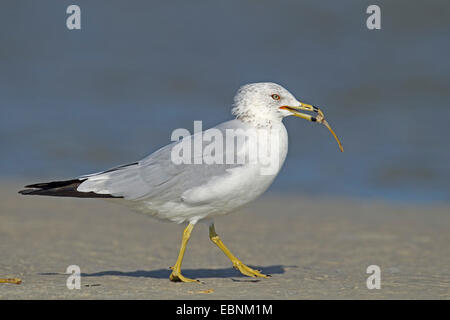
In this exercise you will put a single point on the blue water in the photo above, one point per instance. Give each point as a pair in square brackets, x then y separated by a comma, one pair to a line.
[75, 102]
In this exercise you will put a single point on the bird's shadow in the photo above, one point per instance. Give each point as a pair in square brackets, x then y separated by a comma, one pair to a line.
[192, 273]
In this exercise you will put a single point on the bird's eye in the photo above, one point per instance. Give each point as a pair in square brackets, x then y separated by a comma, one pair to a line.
[276, 97]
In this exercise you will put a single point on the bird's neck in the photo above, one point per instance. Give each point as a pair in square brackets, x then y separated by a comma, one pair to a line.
[259, 120]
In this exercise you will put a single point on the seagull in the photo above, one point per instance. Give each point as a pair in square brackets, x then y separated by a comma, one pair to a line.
[199, 189]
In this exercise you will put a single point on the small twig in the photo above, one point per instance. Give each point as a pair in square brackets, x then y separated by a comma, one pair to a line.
[11, 280]
[321, 119]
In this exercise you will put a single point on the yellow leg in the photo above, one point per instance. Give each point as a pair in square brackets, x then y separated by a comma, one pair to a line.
[236, 262]
[176, 269]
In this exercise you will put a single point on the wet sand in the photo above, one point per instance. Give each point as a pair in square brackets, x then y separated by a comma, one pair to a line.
[313, 248]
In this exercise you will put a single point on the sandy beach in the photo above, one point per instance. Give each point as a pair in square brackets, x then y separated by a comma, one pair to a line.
[313, 248]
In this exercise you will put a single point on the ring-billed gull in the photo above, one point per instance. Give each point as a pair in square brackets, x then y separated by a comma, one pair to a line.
[214, 180]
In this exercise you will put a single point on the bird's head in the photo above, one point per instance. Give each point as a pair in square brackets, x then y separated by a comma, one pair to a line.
[266, 102]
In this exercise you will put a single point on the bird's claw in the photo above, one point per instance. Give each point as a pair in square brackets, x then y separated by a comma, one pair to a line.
[246, 270]
[176, 276]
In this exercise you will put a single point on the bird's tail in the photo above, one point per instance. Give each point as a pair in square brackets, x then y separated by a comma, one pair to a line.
[66, 188]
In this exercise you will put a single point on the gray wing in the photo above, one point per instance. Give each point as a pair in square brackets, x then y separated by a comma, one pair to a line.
[157, 176]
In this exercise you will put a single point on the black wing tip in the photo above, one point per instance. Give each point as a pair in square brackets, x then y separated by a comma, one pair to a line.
[67, 188]
[54, 184]
[26, 191]
[36, 185]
